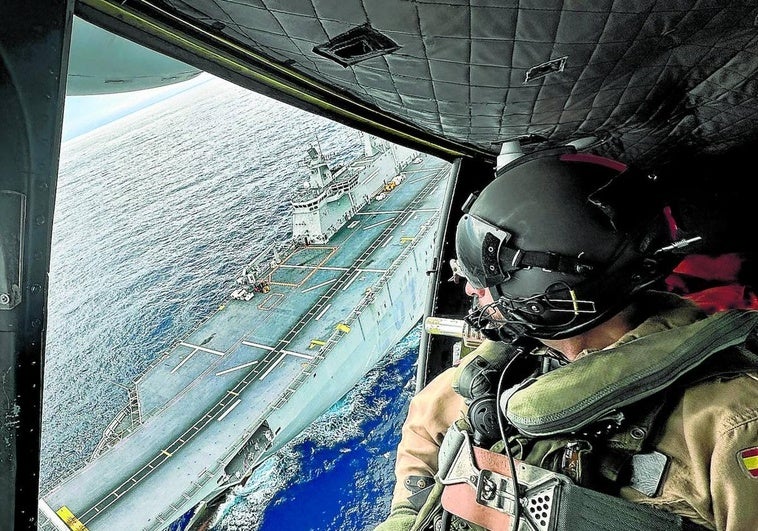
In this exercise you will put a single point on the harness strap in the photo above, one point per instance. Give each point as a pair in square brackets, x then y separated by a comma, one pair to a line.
[478, 483]
[480, 488]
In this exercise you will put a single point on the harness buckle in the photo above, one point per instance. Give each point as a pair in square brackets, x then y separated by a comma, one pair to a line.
[457, 465]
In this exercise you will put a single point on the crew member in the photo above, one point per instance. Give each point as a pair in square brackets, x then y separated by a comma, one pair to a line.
[635, 394]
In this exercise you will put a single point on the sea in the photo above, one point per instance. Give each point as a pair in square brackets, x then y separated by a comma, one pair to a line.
[155, 215]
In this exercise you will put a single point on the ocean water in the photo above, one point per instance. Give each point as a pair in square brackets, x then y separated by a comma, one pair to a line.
[338, 474]
[155, 215]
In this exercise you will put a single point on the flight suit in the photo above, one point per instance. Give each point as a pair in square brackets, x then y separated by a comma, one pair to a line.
[710, 437]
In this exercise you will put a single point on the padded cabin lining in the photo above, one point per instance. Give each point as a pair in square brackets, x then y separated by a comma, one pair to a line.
[658, 76]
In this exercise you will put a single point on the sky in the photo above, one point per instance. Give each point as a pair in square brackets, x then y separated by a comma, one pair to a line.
[82, 114]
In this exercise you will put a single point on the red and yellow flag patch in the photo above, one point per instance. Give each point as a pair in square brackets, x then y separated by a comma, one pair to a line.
[749, 460]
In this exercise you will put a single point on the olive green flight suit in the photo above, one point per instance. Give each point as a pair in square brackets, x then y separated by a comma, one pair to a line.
[709, 437]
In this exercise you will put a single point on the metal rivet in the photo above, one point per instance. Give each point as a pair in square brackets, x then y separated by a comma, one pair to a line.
[637, 433]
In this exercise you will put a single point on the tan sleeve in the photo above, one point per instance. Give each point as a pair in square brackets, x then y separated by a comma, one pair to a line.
[734, 488]
[707, 480]
[430, 414]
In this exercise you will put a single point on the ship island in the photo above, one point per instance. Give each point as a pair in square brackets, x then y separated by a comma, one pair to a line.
[304, 321]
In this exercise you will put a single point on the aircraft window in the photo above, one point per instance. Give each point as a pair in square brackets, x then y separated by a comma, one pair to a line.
[194, 308]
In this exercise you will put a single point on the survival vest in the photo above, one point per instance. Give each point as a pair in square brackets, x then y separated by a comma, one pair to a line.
[580, 432]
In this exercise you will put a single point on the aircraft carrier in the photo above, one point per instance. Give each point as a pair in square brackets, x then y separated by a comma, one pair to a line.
[303, 324]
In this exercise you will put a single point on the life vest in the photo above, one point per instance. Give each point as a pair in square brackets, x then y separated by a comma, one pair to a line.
[583, 432]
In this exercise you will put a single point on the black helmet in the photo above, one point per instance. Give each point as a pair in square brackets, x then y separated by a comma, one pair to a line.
[563, 241]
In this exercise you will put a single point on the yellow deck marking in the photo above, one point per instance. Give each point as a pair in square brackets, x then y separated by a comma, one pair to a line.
[70, 520]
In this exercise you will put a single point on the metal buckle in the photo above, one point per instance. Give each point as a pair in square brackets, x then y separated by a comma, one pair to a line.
[492, 489]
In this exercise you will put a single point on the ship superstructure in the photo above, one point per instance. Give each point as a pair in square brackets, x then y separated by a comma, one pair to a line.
[327, 200]
[306, 321]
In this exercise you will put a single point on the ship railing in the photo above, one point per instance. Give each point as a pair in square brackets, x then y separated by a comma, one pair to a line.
[344, 185]
[302, 197]
[109, 437]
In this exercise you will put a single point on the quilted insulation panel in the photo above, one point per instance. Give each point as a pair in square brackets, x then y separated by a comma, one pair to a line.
[650, 76]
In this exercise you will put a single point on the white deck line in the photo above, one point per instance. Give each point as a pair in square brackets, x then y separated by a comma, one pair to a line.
[238, 367]
[319, 285]
[331, 268]
[350, 282]
[277, 362]
[306, 356]
[216, 352]
[322, 312]
[52, 516]
[185, 360]
[251, 344]
[386, 241]
[374, 212]
[367, 227]
[231, 408]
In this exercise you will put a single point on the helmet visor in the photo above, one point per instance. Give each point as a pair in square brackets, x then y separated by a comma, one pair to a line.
[477, 247]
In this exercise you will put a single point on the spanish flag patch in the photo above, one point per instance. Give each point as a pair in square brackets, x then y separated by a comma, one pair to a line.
[749, 459]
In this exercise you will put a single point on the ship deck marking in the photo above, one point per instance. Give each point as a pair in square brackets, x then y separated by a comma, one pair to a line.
[312, 269]
[204, 349]
[368, 227]
[320, 315]
[306, 290]
[238, 367]
[274, 299]
[195, 349]
[231, 408]
[350, 282]
[258, 345]
[297, 354]
[334, 268]
[379, 212]
[277, 362]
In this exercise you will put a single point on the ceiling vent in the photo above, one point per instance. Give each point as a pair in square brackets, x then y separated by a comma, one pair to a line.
[356, 45]
[545, 69]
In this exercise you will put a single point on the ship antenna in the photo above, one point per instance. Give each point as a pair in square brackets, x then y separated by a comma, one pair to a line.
[318, 143]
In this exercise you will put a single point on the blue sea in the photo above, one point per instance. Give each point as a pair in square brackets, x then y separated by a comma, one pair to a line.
[155, 215]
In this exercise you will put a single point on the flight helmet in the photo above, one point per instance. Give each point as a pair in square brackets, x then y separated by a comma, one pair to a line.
[563, 241]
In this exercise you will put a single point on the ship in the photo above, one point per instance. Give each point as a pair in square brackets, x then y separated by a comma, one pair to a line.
[303, 322]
